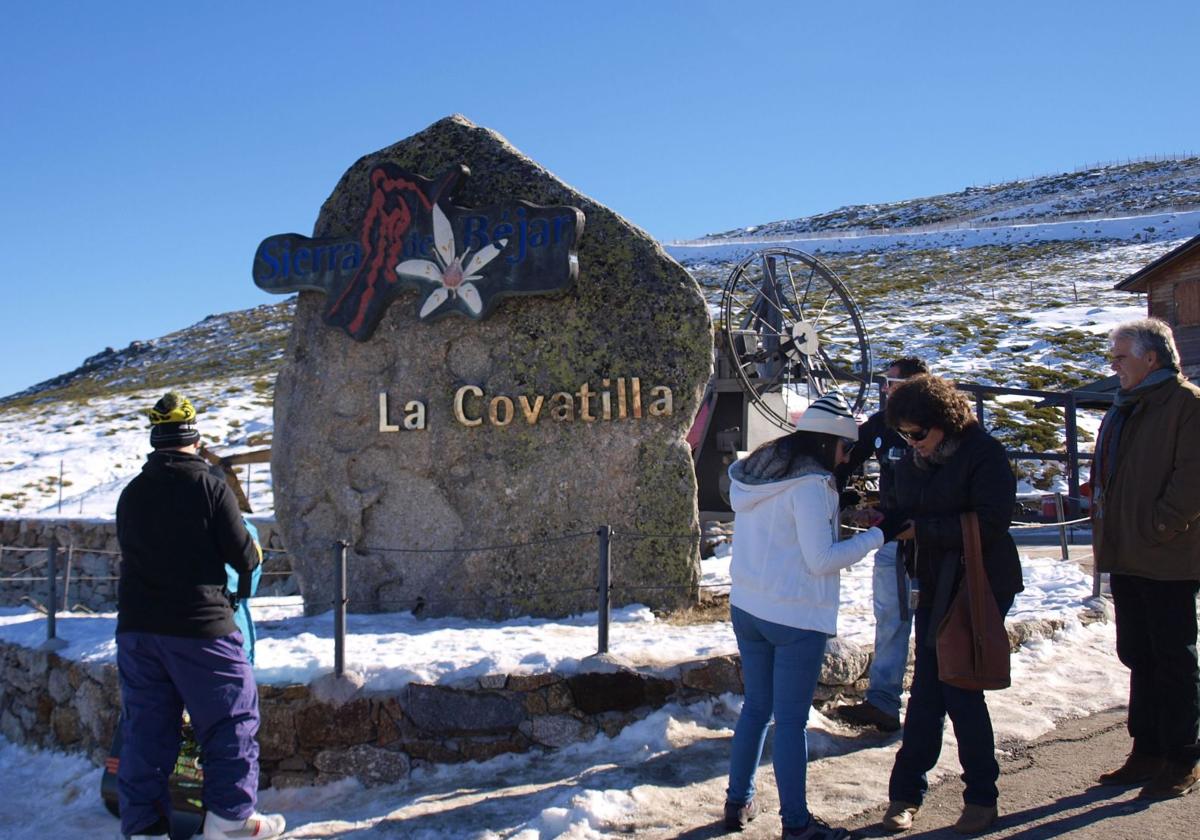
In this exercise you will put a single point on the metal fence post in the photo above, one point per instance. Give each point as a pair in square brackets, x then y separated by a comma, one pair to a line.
[339, 610]
[1071, 411]
[52, 590]
[52, 642]
[1062, 529]
[605, 535]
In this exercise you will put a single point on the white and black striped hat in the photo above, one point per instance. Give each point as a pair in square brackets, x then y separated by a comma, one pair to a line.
[829, 415]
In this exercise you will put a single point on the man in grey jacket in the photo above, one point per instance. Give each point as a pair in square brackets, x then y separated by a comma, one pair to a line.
[1146, 535]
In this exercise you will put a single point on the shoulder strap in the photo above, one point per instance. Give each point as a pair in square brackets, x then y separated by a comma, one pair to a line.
[975, 579]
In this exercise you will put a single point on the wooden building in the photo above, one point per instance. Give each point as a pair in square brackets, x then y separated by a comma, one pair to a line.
[1172, 287]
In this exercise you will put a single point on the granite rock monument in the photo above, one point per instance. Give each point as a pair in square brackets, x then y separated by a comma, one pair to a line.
[466, 417]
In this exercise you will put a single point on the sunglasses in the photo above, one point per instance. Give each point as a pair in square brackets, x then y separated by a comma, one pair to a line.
[847, 444]
[914, 437]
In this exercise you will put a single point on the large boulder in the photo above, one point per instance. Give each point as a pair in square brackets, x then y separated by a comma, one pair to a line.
[411, 502]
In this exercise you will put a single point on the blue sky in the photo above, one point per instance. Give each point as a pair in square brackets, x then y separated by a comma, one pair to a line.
[148, 147]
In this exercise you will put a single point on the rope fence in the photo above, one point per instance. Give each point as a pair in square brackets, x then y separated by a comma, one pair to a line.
[481, 548]
[603, 587]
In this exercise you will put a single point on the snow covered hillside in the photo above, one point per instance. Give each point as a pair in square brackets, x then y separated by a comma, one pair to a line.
[1022, 303]
[89, 422]
[1131, 189]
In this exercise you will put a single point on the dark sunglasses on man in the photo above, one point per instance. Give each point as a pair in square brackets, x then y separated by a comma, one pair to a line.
[914, 437]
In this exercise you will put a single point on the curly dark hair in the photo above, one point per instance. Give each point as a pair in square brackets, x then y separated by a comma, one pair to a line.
[931, 403]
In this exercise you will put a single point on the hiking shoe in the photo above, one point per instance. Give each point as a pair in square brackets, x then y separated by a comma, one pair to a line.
[1174, 778]
[257, 826]
[868, 714]
[899, 816]
[737, 815]
[976, 819]
[1137, 769]
[817, 829]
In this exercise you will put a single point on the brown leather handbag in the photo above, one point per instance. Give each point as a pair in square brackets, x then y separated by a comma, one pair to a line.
[972, 644]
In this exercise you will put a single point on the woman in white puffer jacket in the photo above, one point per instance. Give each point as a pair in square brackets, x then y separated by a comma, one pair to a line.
[786, 569]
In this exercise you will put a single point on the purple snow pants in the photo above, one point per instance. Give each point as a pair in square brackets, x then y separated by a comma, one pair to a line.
[211, 677]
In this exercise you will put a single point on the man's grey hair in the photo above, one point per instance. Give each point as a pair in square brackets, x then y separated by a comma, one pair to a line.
[1146, 334]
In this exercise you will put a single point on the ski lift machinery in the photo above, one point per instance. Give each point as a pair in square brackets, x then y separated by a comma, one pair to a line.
[789, 331]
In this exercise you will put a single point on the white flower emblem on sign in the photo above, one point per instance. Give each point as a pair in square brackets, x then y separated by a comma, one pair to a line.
[455, 275]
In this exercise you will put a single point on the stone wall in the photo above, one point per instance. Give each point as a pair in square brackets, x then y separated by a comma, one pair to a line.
[89, 559]
[329, 730]
[313, 734]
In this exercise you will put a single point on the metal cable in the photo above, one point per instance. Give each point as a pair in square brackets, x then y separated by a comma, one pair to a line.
[640, 536]
[425, 603]
[74, 578]
[1013, 526]
[44, 561]
[503, 595]
[630, 587]
[474, 549]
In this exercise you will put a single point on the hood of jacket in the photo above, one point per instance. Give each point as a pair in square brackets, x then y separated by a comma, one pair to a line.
[766, 473]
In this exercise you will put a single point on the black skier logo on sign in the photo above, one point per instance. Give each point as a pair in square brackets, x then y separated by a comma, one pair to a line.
[460, 260]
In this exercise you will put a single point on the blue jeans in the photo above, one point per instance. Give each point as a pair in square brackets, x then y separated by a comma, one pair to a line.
[929, 702]
[891, 633]
[780, 666]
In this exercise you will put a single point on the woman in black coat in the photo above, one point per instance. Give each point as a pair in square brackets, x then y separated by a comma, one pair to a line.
[953, 467]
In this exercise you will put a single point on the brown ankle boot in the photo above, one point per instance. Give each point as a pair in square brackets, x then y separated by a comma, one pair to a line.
[1174, 778]
[976, 819]
[899, 816]
[1137, 769]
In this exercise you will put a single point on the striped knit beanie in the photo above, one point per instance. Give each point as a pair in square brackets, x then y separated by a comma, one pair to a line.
[172, 422]
[829, 415]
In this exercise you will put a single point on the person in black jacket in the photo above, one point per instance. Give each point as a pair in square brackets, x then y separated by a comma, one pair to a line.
[177, 643]
[889, 583]
[953, 467]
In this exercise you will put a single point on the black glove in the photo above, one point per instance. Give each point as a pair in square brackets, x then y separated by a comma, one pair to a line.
[849, 498]
[893, 523]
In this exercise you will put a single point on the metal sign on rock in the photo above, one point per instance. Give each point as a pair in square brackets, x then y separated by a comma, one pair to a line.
[460, 260]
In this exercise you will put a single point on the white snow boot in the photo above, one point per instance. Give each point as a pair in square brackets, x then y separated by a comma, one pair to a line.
[257, 826]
